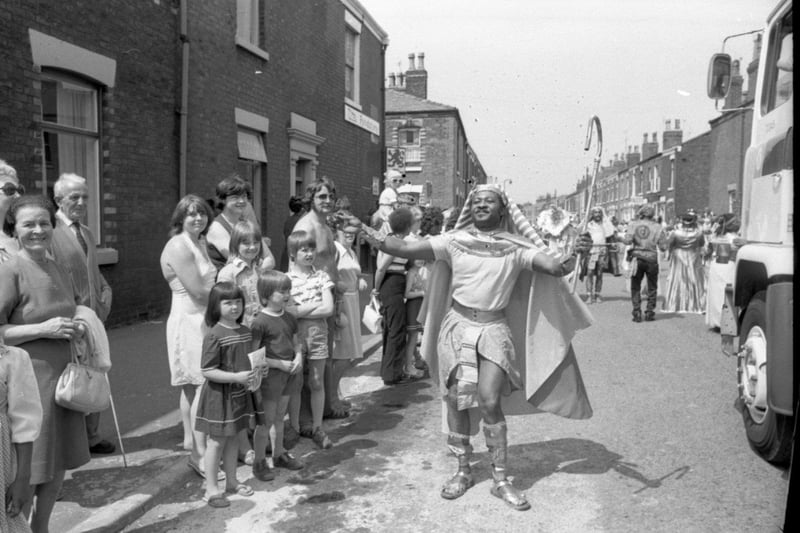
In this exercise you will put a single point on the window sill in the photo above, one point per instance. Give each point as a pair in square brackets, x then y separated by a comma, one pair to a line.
[107, 256]
[250, 47]
[352, 104]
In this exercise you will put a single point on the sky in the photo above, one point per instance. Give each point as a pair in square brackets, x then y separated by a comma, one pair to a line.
[527, 75]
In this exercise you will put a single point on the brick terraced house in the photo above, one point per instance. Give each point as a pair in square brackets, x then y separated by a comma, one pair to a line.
[153, 99]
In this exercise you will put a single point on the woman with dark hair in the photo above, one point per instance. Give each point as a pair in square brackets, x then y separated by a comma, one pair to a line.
[686, 280]
[722, 247]
[234, 195]
[37, 306]
[432, 221]
[190, 273]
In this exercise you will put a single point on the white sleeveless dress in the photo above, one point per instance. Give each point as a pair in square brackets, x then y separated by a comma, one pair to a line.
[185, 325]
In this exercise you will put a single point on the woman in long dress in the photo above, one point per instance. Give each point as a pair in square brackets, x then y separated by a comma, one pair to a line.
[190, 273]
[722, 244]
[347, 349]
[37, 306]
[686, 280]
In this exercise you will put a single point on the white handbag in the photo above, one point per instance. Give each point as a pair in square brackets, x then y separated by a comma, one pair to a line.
[82, 388]
[371, 318]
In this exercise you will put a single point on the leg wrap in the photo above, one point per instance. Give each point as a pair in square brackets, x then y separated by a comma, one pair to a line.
[497, 441]
[457, 485]
[461, 448]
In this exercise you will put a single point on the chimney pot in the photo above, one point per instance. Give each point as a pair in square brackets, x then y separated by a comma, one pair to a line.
[677, 123]
[421, 57]
[668, 125]
[411, 62]
[655, 137]
[645, 138]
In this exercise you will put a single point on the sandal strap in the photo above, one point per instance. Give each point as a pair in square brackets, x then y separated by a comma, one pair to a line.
[510, 494]
[457, 485]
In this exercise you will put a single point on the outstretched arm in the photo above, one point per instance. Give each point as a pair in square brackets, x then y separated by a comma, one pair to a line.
[555, 266]
[420, 249]
[561, 265]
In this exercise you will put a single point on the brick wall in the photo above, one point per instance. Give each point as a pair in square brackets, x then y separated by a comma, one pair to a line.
[692, 168]
[730, 136]
[140, 123]
[304, 75]
[138, 153]
[439, 139]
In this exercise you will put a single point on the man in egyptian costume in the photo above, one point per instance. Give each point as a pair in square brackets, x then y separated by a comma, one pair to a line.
[499, 323]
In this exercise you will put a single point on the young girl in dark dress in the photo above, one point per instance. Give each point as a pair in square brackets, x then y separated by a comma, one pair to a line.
[227, 405]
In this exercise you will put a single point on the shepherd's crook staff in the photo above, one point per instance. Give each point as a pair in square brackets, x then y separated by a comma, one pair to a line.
[594, 123]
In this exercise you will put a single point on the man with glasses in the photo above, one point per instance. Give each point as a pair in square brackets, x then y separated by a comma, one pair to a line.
[74, 248]
[9, 189]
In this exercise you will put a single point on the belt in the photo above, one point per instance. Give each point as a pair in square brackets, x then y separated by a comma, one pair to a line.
[476, 315]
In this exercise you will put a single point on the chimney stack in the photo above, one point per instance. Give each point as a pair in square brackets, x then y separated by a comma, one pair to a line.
[649, 149]
[417, 78]
[673, 137]
[634, 156]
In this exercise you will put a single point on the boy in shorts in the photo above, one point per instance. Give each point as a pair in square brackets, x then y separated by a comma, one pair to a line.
[276, 331]
[313, 303]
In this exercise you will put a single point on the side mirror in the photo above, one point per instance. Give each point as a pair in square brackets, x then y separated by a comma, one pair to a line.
[719, 76]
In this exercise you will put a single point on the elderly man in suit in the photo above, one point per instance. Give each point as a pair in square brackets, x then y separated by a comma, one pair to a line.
[74, 248]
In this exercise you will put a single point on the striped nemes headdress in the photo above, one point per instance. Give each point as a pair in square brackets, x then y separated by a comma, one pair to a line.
[515, 222]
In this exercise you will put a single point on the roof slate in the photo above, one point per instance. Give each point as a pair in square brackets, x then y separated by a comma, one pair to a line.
[402, 102]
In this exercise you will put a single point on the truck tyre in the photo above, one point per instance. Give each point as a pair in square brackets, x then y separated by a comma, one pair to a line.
[769, 433]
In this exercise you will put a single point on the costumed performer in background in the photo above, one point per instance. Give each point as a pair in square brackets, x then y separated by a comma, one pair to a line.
[498, 325]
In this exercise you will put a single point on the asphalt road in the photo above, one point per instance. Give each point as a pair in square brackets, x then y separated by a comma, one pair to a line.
[664, 451]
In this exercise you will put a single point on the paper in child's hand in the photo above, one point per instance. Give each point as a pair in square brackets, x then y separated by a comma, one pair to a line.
[258, 361]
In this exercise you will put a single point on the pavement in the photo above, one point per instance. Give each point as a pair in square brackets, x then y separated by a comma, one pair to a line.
[112, 491]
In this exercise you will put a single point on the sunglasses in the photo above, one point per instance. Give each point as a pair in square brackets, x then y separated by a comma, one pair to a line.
[9, 189]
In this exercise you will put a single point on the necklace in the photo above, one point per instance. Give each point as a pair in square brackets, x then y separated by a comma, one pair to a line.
[486, 234]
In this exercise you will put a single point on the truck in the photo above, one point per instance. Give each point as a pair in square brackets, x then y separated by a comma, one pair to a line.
[758, 312]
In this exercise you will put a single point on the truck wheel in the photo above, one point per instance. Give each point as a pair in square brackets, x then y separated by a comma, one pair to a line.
[769, 433]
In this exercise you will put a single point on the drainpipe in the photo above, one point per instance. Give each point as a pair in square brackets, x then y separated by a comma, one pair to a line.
[384, 45]
[183, 110]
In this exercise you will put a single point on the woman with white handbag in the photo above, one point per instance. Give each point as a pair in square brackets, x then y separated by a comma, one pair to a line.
[37, 306]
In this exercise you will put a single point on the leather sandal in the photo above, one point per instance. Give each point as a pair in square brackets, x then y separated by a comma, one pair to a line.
[217, 500]
[504, 490]
[456, 486]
